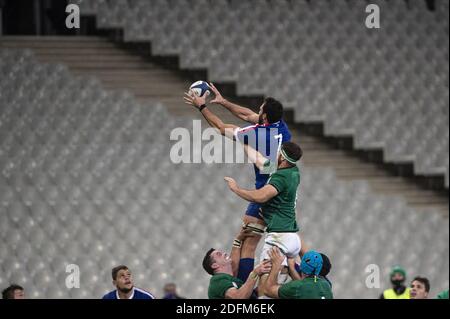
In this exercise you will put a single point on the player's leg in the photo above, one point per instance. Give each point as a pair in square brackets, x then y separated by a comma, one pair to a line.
[249, 247]
[253, 221]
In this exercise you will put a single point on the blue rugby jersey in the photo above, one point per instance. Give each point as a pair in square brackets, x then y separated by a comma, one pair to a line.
[137, 294]
[267, 140]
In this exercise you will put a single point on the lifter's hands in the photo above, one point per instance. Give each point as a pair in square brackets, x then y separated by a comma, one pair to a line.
[263, 268]
[276, 256]
[245, 233]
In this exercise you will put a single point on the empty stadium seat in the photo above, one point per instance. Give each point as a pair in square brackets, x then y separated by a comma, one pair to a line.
[97, 188]
[240, 50]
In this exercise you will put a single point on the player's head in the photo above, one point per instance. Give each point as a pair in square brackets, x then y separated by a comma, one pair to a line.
[326, 266]
[13, 292]
[122, 278]
[170, 289]
[290, 154]
[398, 276]
[271, 111]
[420, 287]
[312, 264]
[215, 260]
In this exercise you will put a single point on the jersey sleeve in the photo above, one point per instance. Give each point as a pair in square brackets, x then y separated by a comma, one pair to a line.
[247, 135]
[277, 181]
[110, 295]
[223, 285]
[288, 291]
[269, 167]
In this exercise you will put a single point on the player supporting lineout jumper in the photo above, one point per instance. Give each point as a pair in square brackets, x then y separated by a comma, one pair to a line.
[224, 268]
[311, 284]
[278, 203]
[267, 132]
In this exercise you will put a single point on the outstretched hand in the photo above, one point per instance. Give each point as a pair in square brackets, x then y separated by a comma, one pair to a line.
[231, 183]
[193, 99]
[218, 99]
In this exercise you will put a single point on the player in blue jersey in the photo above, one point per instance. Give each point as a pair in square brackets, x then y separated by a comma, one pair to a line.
[266, 134]
[125, 289]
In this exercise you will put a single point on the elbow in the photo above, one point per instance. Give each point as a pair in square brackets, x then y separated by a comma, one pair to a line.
[244, 117]
[221, 129]
[239, 296]
[262, 169]
[260, 199]
[236, 295]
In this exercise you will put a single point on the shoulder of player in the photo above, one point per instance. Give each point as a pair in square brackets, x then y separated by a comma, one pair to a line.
[225, 279]
[288, 290]
[284, 172]
[311, 281]
[286, 132]
[248, 128]
[293, 288]
[221, 276]
[142, 292]
[280, 124]
[110, 295]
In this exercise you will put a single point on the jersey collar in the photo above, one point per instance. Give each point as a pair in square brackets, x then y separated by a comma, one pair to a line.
[131, 296]
[272, 124]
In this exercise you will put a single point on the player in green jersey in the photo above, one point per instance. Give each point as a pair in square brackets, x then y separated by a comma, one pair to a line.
[278, 198]
[224, 268]
[312, 283]
[443, 295]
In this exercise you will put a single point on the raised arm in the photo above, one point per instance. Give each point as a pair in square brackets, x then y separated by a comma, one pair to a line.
[271, 286]
[241, 112]
[292, 271]
[261, 162]
[213, 120]
[260, 196]
[246, 289]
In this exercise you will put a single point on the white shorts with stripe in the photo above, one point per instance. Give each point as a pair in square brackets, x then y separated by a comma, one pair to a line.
[289, 244]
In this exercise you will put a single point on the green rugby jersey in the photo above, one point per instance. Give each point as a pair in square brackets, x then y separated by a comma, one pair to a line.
[443, 295]
[220, 283]
[308, 288]
[279, 212]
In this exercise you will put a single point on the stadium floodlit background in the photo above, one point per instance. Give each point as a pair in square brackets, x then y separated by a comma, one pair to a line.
[86, 116]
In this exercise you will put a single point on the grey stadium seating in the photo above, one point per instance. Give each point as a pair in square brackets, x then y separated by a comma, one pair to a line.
[86, 179]
[304, 51]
